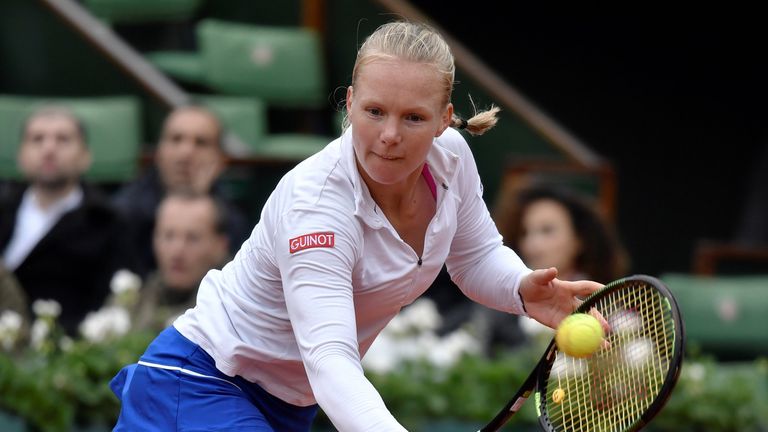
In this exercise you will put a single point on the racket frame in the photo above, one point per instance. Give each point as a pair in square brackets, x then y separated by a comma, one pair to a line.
[536, 383]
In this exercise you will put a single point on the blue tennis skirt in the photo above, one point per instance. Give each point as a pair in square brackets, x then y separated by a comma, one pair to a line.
[175, 386]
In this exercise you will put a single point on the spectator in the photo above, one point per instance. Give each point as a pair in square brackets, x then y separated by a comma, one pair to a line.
[550, 227]
[59, 236]
[189, 239]
[189, 158]
[553, 226]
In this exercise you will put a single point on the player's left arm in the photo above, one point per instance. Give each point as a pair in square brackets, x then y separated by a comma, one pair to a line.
[493, 274]
[484, 269]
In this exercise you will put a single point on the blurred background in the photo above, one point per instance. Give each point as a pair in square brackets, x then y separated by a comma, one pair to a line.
[672, 106]
[657, 116]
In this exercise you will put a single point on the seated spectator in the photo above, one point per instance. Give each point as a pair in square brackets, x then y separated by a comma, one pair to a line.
[189, 239]
[557, 227]
[59, 236]
[552, 226]
[548, 227]
[190, 158]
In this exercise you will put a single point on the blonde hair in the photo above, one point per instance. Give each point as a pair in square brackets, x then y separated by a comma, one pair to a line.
[420, 43]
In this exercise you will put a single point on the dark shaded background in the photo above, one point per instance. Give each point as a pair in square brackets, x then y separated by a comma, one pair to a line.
[675, 101]
[672, 94]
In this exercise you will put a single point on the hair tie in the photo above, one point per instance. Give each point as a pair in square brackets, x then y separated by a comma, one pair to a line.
[463, 124]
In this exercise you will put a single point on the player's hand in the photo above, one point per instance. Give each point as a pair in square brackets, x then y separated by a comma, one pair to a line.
[548, 300]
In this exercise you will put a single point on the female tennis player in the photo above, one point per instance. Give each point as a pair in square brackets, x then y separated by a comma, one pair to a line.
[348, 237]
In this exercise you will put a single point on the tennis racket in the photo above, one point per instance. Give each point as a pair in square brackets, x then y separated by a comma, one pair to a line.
[623, 385]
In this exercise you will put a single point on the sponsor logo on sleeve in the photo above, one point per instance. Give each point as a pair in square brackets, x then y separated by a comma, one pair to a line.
[314, 240]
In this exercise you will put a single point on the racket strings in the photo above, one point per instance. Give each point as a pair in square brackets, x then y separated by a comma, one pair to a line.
[611, 390]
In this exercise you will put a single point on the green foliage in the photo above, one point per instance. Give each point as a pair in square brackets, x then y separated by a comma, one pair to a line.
[472, 391]
[62, 389]
[718, 397]
[55, 390]
[709, 395]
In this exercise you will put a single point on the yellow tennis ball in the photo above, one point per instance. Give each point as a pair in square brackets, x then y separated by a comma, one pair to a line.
[558, 395]
[579, 335]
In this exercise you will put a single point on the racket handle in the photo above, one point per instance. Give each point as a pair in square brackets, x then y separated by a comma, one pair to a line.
[514, 405]
[522, 394]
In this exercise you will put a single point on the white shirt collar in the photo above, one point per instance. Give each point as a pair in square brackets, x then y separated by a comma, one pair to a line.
[57, 209]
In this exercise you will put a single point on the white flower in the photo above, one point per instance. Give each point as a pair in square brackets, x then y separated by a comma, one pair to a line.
[625, 321]
[10, 326]
[566, 366]
[397, 326]
[66, 343]
[452, 347]
[124, 281]
[410, 336]
[46, 308]
[638, 352]
[125, 287]
[422, 315]
[107, 322]
[695, 372]
[382, 356]
[10, 321]
[418, 346]
[41, 328]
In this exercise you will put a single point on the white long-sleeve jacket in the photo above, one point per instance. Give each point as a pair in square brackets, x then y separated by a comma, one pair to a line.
[324, 271]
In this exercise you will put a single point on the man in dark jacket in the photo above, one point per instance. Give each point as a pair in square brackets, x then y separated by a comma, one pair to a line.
[189, 158]
[60, 237]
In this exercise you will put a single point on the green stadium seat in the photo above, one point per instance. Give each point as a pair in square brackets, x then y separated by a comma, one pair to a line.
[291, 146]
[249, 69]
[724, 315]
[136, 11]
[281, 65]
[246, 117]
[183, 66]
[113, 126]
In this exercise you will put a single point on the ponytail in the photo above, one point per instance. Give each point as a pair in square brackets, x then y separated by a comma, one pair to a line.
[479, 123]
